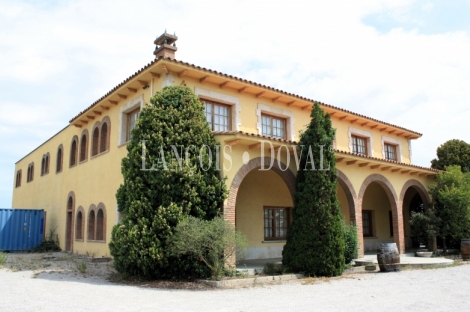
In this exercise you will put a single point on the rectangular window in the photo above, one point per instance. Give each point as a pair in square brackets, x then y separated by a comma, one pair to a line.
[276, 222]
[367, 223]
[359, 145]
[131, 120]
[273, 126]
[390, 222]
[217, 115]
[390, 152]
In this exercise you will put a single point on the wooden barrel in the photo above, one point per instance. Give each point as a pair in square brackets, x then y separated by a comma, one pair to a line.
[388, 257]
[465, 248]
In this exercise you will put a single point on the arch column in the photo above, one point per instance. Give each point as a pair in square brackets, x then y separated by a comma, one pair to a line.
[398, 226]
[355, 209]
[395, 204]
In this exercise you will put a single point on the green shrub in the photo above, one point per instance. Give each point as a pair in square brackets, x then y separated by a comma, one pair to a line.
[81, 266]
[351, 242]
[50, 243]
[272, 268]
[214, 242]
[3, 258]
[155, 200]
[315, 242]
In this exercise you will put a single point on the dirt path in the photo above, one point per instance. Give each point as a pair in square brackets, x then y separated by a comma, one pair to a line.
[63, 288]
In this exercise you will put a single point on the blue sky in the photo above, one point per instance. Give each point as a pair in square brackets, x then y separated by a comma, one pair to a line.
[404, 62]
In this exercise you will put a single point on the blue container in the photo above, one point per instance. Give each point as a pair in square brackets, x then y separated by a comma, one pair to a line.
[21, 229]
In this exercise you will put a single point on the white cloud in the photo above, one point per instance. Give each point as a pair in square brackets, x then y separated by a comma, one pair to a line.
[74, 53]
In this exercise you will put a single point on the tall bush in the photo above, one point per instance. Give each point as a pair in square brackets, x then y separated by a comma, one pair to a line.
[315, 239]
[451, 204]
[214, 242]
[171, 186]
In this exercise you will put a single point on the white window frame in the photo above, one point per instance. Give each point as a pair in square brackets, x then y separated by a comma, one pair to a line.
[276, 112]
[361, 133]
[125, 109]
[233, 102]
[392, 141]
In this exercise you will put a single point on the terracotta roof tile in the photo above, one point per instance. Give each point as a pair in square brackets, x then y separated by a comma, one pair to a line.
[336, 150]
[241, 80]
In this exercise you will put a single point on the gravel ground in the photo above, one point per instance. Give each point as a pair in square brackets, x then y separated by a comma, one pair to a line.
[56, 285]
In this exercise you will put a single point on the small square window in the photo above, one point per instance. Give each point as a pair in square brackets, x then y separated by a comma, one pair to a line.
[390, 152]
[273, 126]
[217, 115]
[131, 121]
[276, 222]
[367, 230]
[359, 145]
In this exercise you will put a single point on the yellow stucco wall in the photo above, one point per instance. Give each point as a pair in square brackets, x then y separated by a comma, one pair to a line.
[260, 189]
[376, 200]
[343, 201]
[97, 179]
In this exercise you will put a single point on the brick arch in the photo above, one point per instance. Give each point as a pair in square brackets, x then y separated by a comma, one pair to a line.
[69, 221]
[348, 188]
[383, 181]
[287, 176]
[419, 187]
[395, 205]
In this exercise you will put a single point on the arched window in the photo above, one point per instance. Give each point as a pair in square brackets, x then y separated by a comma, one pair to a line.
[84, 146]
[104, 138]
[18, 178]
[101, 223]
[79, 224]
[43, 165]
[91, 223]
[47, 163]
[69, 222]
[96, 140]
[30, 176]
[74, 151]
[59, 159]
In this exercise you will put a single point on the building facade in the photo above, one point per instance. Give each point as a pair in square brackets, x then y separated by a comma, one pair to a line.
[75, 174]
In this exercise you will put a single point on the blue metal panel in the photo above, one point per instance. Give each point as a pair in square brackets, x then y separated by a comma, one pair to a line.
[21, 229]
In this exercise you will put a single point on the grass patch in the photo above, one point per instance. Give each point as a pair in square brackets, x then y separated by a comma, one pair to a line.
[272, 268]
[81, 266]
[3, 258]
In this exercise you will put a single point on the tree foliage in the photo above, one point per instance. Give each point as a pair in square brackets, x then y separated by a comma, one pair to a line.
[451, 203]
[172, 186]
[215, 242]
[315, 242]
[452, 152]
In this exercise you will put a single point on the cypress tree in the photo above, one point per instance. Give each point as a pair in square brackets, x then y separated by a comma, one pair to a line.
[171, 142]
[315, 242]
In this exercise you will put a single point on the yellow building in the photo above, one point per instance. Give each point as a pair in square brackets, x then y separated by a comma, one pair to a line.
[74, 175]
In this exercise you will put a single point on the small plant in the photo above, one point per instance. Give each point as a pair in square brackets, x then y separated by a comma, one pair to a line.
[3, 258]
[272, 268]
[214, 242]
[351, 242]
[81, 266]
[51, 243]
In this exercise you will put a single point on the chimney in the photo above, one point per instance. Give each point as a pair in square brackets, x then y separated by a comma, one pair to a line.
[165, 46]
